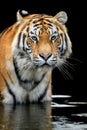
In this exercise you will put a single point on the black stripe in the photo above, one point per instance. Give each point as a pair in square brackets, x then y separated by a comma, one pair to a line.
[21, 54]
[9, 90]
[36, 25]
[60, 47]
[27, 29]
[24, 36]
[39, 20]
[66, 41]
[41, 97]
[47, 21]
[50, 25]
[64, 50]
[17, 73]
[36, 83]
[19, 37]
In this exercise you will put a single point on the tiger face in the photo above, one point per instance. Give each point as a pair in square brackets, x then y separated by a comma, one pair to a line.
[45, 39]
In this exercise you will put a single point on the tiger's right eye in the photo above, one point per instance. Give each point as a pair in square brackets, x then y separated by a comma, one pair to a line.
[34, 39]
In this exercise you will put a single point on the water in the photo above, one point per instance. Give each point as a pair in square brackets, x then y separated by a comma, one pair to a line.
[66, 115]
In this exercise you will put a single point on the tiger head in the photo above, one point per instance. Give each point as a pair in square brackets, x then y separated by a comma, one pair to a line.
[45, 39]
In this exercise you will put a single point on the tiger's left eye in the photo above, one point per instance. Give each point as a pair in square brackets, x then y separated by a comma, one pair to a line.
[53, 38]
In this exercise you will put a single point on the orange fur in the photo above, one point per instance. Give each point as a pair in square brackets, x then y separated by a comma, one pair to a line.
[44, 49]
[5, 52]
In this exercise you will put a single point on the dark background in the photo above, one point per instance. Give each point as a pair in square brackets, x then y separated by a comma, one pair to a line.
[77, 31]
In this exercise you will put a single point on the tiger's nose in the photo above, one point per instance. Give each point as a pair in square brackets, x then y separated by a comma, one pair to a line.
[45, 56]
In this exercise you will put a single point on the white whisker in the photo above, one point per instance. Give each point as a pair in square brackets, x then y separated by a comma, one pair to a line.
[76, 60]
[64, 69]
[67, 64]
[62, 72]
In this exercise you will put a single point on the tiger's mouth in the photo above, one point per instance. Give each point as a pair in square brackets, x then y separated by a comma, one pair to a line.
[46, 65]
[49, 63]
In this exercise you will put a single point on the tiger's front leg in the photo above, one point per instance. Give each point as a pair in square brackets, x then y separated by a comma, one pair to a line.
[15, 95]
[41, 92]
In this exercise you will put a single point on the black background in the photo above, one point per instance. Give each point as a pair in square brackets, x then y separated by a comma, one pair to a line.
[77, 31]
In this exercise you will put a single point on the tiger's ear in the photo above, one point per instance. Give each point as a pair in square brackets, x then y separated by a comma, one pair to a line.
[21, 14]
[61, 17]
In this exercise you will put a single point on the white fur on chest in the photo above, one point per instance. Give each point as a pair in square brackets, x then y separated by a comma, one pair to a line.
[24, 91]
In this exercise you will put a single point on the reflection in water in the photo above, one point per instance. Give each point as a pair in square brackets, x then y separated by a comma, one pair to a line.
[32, 117]
[66, 116]
[64, 123]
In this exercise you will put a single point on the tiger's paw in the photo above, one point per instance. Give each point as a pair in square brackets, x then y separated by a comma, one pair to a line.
[8, 100]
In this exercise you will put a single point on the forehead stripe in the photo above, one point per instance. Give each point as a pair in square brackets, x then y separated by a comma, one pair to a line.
[36, 25]
[50, 25]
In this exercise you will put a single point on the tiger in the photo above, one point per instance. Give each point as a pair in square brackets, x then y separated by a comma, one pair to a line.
[30, 49]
